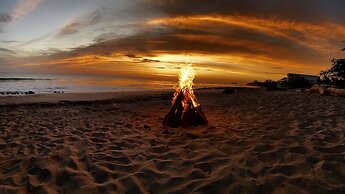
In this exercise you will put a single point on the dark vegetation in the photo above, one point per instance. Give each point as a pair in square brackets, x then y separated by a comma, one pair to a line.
[283, 84]
[334, 76]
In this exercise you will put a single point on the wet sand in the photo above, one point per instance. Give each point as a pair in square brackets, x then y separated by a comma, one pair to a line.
[255, 142]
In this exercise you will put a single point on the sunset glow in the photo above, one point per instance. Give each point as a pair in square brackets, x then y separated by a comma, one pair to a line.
[149, 41]
[172, 96]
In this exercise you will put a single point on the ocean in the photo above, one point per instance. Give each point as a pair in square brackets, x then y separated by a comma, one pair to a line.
[43, 83]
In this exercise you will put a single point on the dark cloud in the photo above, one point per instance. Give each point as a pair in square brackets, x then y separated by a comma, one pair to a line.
[105, 36]
[79, 24]
[8, 51]
[268, 30]
[5, 18]
[298, 10]
[131, 55]
[228, 40]
[9, 41]
[140, 59]
[144, 60]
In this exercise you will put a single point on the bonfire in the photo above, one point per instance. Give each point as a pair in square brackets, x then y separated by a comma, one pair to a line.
[185, 110]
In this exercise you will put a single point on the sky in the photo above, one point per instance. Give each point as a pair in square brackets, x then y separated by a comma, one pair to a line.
[150, 40]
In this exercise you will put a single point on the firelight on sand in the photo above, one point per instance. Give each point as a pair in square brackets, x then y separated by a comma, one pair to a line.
[185, 110]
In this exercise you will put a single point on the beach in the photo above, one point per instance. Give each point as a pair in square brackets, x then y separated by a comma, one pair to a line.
[255, 142]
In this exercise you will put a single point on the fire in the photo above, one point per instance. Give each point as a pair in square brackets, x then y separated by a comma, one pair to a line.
[185, 110]
[186, 77]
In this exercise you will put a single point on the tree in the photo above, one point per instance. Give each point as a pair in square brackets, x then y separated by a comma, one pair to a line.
[335, 76]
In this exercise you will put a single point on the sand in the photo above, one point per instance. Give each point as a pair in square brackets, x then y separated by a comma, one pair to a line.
[255, 142]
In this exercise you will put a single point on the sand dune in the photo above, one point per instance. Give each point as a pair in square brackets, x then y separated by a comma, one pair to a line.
[256, 142]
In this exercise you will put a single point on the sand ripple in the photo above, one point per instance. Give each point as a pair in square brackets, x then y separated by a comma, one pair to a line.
[256, 142]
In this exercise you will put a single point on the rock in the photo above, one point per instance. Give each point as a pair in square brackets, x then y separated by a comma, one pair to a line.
[166, 132]
[228, 91]
[29, 92]
[319, 89]
[327, 91]
[315, 89]
[336, 92]
[323, 91]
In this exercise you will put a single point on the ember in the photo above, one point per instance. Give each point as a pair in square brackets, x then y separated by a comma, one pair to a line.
[185, 110]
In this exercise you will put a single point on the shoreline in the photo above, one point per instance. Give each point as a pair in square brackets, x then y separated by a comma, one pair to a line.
[55, 98]
[96, 95]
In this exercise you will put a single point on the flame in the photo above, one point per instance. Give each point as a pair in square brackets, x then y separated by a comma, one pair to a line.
[185, 110]
[186, 77]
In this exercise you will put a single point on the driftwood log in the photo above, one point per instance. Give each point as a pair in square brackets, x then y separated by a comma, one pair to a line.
[184, 116]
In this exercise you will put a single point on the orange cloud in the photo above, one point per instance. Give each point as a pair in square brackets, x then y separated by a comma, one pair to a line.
[224, 48]
[316, 36]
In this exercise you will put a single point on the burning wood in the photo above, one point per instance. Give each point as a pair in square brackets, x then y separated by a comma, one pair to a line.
[185, 110]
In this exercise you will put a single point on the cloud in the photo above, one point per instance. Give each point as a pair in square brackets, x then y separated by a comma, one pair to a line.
[5, 18]
[245, 38]
[80, 23]
[241, 45]
[23, 8]
[293, 10]
[7, 51]
[140, 59]
[239, 51]
[228, 28]
[131, 55]
[257, 32]
[9, 41]
[35, 40]
[69, 29]
[197, 39]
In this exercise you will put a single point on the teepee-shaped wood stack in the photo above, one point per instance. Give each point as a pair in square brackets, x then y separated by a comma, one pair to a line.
[184, 113]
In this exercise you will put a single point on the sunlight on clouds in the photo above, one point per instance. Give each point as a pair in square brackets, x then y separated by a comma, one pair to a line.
[222, 67]
[245, 66]
[311, 35]
[205, 64]
[152, 40]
